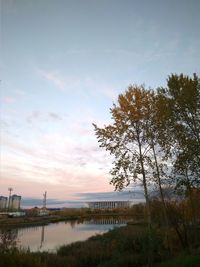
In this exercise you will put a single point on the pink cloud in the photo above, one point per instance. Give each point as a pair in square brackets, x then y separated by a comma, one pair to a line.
[9, 100]
[64, 164]
[27, 188]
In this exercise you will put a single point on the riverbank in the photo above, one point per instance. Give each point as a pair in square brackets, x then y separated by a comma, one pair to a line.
[25, 221]
[66, 215]
[132, 245]
[121, 247]
[40, 221]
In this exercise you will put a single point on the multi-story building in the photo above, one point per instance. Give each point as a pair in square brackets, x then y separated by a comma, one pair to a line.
[3, 202]
[14, 202]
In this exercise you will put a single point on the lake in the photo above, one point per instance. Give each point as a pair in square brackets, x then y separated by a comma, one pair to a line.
[54, 235]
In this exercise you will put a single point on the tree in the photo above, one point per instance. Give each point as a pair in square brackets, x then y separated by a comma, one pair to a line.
[126, 139]
[130, 141]
[133, 140]
[179, 135]
[183, 97]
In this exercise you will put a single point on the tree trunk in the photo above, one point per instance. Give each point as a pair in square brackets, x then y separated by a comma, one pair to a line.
[148, 210]
[162, 197]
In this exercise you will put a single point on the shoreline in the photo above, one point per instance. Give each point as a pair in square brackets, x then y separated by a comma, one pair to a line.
[45, 220]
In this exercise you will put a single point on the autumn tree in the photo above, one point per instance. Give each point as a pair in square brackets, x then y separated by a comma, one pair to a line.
[131, 139]
[183, 97]
[180, 130]
[158, 158]
[153, 129]
[179, 136]
[126, 139]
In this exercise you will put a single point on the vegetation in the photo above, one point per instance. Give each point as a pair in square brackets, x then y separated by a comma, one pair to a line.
[125, 246]
[155, 140]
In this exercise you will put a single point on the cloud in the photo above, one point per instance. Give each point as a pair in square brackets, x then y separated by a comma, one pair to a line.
[54, 116]
[85, 84]
[59, 160]
[43, 117]
[83, 198]
[51, 203]
[98, 88]
[106, 196]
[54, 78]
[35, 115]
[28, 201]
[9, 100]
[59, 81]
[64, 157]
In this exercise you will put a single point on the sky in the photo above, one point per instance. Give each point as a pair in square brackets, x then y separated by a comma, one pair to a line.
[62, 65]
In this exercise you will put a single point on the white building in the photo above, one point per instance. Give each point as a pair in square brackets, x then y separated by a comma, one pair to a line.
[108, 204]
[14, 202]
[3, 202]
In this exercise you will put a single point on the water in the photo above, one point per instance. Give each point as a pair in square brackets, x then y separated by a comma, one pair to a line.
[54, 235]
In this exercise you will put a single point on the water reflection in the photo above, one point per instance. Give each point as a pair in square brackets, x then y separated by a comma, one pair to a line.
[73, 223]
[42, 237]
[108, 221]
[50, 237]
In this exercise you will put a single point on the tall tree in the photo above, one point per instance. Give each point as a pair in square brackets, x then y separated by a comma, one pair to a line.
[183, 97]
[179, 135]
[158, 158]
[132, 142]
[126, 139]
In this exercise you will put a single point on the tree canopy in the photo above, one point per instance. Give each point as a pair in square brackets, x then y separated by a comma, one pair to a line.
[151, 128]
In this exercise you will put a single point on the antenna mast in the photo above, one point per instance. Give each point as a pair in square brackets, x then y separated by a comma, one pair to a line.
[10, 189]
[44, 200]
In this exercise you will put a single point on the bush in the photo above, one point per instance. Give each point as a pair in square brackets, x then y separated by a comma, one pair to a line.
[183, 260]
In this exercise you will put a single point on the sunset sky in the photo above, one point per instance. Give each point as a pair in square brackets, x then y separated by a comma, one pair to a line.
[63, 64]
